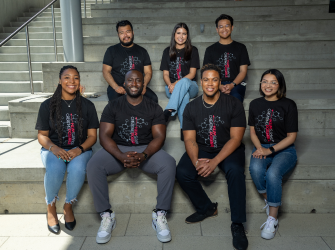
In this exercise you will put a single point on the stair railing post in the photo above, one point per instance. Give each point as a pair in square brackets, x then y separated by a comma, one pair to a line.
[29, 61]
[85, 7]
[54, 31]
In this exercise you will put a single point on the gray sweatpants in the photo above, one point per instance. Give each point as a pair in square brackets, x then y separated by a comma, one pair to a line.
[103, 164]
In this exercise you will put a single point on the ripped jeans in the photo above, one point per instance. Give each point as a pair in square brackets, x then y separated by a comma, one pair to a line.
[55, 171]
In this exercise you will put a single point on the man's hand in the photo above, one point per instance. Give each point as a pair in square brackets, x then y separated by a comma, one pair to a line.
[120, 90]
[205, 167]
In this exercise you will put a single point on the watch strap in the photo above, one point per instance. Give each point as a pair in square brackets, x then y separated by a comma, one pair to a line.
[145, 155]
[272, 150]
[81, 148]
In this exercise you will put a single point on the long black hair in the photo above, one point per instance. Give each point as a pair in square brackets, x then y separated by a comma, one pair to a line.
[56, 109]
[281, 80]
[188, 45]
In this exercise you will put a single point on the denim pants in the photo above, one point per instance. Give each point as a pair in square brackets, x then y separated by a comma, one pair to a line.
[182, 92]
[112, 94]
[232, 166]
[268, 173]
[55, 171]
[238, 91]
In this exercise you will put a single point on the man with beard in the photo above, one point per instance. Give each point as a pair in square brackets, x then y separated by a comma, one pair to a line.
[231, 56]
[121, 58]
[132, 133]
[213, 127]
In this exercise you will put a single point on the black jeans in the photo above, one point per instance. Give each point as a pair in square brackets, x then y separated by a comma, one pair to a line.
[112, 94]
[232, 166]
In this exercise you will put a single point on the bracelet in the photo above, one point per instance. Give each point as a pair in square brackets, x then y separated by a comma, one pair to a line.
[51, 147]
[196, 164]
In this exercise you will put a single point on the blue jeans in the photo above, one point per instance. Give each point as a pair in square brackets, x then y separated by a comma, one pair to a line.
[238, 91]
[182, 92]
[55, 171]
[268, 173]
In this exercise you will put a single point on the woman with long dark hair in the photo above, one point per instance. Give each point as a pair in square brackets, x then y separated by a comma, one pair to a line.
[67, 129]
[180, 62]
[273, 121]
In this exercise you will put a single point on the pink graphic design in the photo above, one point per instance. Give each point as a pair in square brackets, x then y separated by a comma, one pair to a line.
[208, 130]
[69, 132]
[129, 63]
[224, 63]
[264, 124]
[134, 130]
[130, 129]
[175, 68]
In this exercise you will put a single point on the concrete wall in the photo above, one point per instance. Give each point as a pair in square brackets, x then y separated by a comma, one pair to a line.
[10, 9]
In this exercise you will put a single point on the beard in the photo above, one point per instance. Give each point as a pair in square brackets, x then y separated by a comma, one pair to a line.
[128, 43]
[135, 95]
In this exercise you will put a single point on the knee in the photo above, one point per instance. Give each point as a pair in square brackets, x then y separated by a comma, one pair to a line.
[273, 176]
[170, 164]
[255, 167]
[235, 172]
[90, 167]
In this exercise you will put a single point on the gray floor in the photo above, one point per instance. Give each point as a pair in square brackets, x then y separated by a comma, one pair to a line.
[134, 231]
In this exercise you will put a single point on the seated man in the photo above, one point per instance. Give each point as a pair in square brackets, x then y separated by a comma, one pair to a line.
[213, 127]
[132, 132]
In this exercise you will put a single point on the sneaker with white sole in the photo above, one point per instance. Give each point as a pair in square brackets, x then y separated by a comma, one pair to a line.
[107, 225]
[270, 227]
[159, 224]
[267, 207]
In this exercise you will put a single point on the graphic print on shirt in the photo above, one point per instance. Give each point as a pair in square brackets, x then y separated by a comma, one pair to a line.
[68, 125]
[264, 124]
[175, 68]
[207, 130]
[129, 130]
[224, 63]
[129, 63]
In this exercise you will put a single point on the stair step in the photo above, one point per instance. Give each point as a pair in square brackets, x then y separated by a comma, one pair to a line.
[5, 129]
[22, 57]
[20, 75]
[20, 66]
[33, 29]
[20, 86]
[36, 23]
[4, 113]
[34, 42]
[33, 49]
[45, 19]
[6, 97]
[32, 35]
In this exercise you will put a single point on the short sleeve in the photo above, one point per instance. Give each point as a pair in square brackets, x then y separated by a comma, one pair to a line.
[238, 115]
[108, 115]
[146, 59]
[195, 61]
[42, 122]
[207, 57]
[159, 116]
[93, 121]
[188, 123]
[291, 120]
[165, 60]
[251, 118]
[244, 60]
[108, 58]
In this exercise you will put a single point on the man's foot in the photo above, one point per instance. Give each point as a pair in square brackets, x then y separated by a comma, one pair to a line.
[270, 228]
[107, 225]
[196, 217]
[167, 114]
[159, 224]
[267, 208]
[240, 241]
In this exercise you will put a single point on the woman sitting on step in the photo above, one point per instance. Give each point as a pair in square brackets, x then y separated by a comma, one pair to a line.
[273, 121]
[67, 129]
[179, 64]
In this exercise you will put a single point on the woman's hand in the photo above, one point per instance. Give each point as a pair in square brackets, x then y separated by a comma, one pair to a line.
[60, 153]
[261, 153]
[171, 86]
[74, 153]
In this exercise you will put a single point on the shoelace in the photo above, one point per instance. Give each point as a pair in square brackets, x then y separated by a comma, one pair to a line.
[162, 223]
[268, 222]
[238, 230]
[105, 223]
[266, 206]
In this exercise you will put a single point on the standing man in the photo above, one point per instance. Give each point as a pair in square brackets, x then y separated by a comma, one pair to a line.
[132, 133]
[231, 56]
[213, 128]
[121, 58]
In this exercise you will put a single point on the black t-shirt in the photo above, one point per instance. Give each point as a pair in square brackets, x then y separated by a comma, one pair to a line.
[179, 67]
[132, 123]
[228, 57]
[69, 122]
[213, 124]
[123, 59]
[273, 120]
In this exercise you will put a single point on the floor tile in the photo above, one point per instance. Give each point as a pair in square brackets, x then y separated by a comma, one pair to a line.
[39, 243]
[88, 225]
[30, 225]
[140, 224]
[124, 243]
[3, 240]
[307, 225]
[330, 242]
[198, 243]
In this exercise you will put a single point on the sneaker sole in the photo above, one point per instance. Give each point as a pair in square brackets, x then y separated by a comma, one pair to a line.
[214, 215]
[163, 241]
[109, 238]
[271, 236]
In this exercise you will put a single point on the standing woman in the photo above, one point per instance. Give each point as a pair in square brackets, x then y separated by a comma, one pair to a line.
[273, 121]
[179, 64]
[67, 129]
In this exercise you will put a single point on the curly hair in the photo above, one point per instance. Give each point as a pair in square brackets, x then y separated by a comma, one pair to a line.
[210, 66]
[56, 109]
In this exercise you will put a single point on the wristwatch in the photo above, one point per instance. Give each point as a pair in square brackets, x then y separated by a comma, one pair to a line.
[145, 155]
[234, 84]
[272, 150]
[81, 148]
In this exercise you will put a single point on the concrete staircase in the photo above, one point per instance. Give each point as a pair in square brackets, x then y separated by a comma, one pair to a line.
[291, 35]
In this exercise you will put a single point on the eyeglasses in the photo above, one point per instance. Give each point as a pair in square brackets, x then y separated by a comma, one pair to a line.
[274, 83]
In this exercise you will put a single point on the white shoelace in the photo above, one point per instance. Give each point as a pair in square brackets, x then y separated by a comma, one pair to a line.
[266, 206]
[106, 221]
[162, 222]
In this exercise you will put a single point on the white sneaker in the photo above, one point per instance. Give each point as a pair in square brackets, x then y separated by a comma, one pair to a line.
[107, 225]
[267, 207]
[270, 227]
[159, 224]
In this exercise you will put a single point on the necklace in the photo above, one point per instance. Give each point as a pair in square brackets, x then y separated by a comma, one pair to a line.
[70, 102]
[203, 102]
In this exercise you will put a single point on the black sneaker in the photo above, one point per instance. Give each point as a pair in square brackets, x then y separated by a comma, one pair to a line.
[167, 114]
[240, 241]
[196, 217]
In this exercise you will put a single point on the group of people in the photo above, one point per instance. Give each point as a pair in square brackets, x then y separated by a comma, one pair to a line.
[132, 131]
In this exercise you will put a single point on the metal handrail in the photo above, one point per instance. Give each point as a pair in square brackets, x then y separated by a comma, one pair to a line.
[25, 25]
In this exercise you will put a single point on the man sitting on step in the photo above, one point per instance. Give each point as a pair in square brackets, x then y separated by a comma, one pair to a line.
[132, 132]
[213, 127]
[125, 56]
